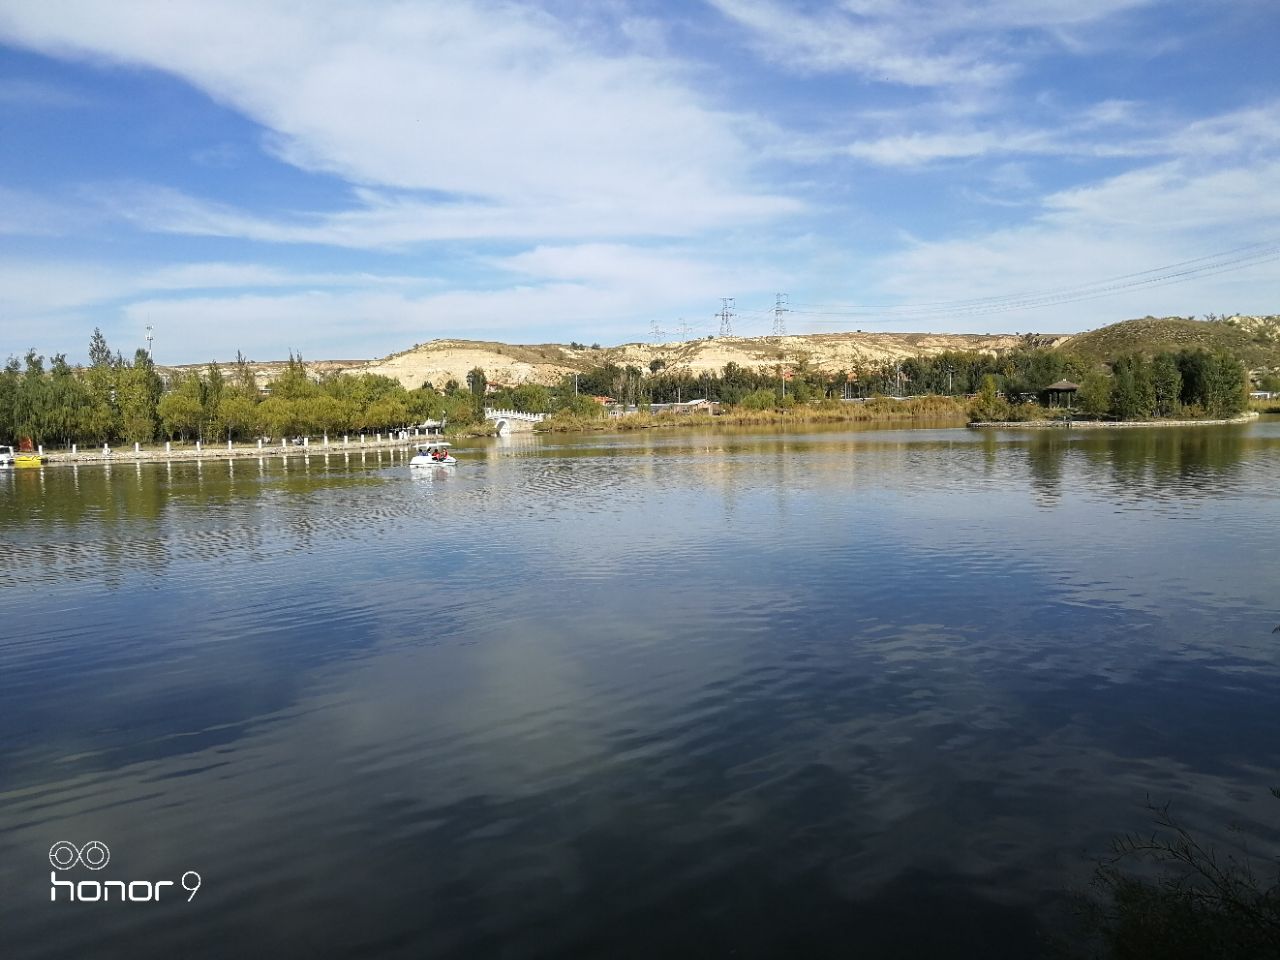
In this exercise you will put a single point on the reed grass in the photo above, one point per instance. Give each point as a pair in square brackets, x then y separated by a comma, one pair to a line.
[875, 409]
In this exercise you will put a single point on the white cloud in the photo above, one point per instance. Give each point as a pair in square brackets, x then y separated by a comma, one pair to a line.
[325, 323]
[668, 275]
[1175, 197]
[35, 288]
[583, 137]
[1160, 215]
[494, 104]
[601, 292]
[32, 287]
[212, 309]
[379, 220]
[23, 213]
[867, 43]
[916, 43]
[1111, 129]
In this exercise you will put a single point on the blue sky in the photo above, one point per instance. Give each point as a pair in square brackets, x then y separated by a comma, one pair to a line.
[348, 179]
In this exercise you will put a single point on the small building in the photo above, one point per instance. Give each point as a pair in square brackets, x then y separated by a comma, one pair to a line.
[1061, 394]
[699, 405]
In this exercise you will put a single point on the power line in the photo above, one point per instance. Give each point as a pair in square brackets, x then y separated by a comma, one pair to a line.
[1262, 249]
[1056, 300]
[779, 324]
[1181, 272]
[726, 316]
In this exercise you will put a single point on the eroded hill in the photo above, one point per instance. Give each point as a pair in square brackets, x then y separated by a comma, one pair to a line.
[1255, 339]
[439, 361]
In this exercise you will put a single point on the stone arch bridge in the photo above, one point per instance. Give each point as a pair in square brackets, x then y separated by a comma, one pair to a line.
[512, 421]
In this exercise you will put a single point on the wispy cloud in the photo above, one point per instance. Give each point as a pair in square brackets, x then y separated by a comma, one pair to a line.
[594, 290]
[31, 287]
[923, 136]
[570, 170]
[23, 92]
[383, 322]
[1157, 215]
[915, 43]
[388, 97]
[23, 213]
[865, 41]
[380, 220]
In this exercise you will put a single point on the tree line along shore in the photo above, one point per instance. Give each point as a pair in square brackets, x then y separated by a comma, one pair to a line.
[114, 400]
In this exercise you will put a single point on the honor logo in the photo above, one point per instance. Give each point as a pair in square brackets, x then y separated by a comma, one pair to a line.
[95, 855]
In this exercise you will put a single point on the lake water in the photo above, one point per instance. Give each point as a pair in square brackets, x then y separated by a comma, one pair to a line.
[876, 693]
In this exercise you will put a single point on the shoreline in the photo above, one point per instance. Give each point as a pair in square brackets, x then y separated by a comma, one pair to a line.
[188, 454]
[1106, 424]
[185, 454]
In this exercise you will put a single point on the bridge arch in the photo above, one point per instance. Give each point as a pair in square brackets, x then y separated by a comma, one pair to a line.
[510, 421]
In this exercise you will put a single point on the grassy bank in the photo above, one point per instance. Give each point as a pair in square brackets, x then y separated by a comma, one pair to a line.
[875, 409]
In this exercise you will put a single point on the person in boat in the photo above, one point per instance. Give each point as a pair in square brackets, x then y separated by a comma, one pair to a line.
[437, 454]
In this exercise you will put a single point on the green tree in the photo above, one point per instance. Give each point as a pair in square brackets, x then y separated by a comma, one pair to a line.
[989, 406]
[477, 383]
[387, 413]
[237, 414]
[1166, 384]
[101, 421]
[1194, 367]
[10, 380]
[531, 398]
[215, 383]
[1226, 389]
[424, 403]
[277, 417]
[582, 406]
[139, 390]
[1133, 395]
[99, 352]
[762, 399]
[323, 413]
[294, 382]
[1094, 395]
[181, 409]
[243, 376]
[67, 399]
[31, 411]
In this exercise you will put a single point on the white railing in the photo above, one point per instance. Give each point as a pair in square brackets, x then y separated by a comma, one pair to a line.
[490, 414]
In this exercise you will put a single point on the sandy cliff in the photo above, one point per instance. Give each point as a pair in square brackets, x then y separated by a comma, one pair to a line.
[1255, 339]
[439, 361]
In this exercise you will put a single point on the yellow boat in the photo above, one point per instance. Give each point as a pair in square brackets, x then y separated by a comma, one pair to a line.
[10, 459]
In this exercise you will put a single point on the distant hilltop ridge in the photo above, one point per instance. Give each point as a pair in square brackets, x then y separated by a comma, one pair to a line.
[1255, 339]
